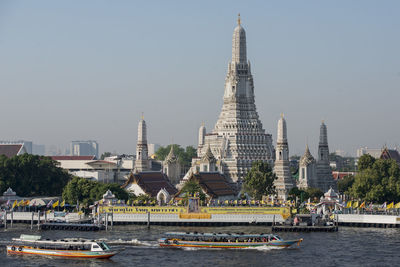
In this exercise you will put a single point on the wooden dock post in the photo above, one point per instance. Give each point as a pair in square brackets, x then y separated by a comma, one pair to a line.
[5, 219]
[32, 221]
[112, 218]
[38, 220]
[273, 222]
[12, 218]
[148, 220]
[106, 221]
[45, 216]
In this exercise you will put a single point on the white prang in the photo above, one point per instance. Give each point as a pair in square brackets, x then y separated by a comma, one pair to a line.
[238, 138]
[282, 167]
[142, 157]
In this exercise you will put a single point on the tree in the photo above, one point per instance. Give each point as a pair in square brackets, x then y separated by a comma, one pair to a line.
[259, 181]
[87, 192]
[184, 156]
[365, 162]
[314, 193]
[377, 182]
[191, 188]
[105, 155]
[32, 175]
[345, 184]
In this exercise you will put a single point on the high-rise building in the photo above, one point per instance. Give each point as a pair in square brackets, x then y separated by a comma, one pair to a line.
[238, 138]
[281, 168]
[84, 148]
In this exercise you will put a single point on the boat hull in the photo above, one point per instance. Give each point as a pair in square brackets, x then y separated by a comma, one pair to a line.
[201, 244]
[60, 253]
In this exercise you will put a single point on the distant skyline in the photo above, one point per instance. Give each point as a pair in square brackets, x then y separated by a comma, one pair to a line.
[87, 70]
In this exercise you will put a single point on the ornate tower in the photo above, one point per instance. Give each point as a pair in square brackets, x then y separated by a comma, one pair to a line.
[307, 175]
[202, 134]
[282, 169]
[238, 138]
[142, 157]
[172, 167]
[324, 172]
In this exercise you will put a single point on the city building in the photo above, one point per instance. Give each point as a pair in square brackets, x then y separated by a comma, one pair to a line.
[238, 138]
[114, 169]
[374, 152]
[84, 148]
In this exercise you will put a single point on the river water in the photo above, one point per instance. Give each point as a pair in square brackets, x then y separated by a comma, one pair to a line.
[347, 247]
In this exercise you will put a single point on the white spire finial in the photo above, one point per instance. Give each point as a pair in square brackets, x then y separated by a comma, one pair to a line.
[238, 20]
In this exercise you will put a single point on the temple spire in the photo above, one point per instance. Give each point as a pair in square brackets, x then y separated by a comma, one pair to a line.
[239, 44]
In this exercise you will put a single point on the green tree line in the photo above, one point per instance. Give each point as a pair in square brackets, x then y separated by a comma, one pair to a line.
[377, 180]
[31, 175]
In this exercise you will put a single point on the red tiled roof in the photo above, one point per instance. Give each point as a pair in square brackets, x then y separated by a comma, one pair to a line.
[214, 184]
[340, 175]
[391, 154]
[9, 150]
[151, 182]
[73, 157]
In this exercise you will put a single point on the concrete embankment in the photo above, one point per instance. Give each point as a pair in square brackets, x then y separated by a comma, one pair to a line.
[369, 220]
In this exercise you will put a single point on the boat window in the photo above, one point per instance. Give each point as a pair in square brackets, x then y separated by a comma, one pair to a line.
[102, 245]
[96, 246]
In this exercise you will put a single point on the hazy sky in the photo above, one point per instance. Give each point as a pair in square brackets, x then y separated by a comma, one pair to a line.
[88, 69]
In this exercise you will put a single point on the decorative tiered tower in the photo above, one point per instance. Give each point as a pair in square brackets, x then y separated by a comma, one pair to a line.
[238, 138]
[307, 166]
[142, 157]
[172, 167]
[282, 169]
[324, 172]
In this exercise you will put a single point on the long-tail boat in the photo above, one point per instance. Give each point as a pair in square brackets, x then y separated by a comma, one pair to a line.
[220, 240]
[70, 248]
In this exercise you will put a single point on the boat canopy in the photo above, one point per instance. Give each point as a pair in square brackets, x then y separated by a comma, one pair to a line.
[217, 235]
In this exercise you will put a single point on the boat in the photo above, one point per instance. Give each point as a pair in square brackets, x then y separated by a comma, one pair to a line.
[220, 240]
[70, 247]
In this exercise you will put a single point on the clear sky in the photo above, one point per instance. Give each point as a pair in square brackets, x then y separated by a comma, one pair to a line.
[87, 70]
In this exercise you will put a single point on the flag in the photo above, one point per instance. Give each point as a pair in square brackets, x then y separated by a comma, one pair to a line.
[235, 202]
[253, 202]
[15, 204]
[397, 206]
[62, 203]
[226, 202]
[56, 204]
[244, 202]
[129, 202]
[8, 202]
[390, 206]
[262, 202]
[383, 206]
[26, 202]
[362, 205]
[119, 202]
[49, 204]
[355, 205]
[348, 204]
